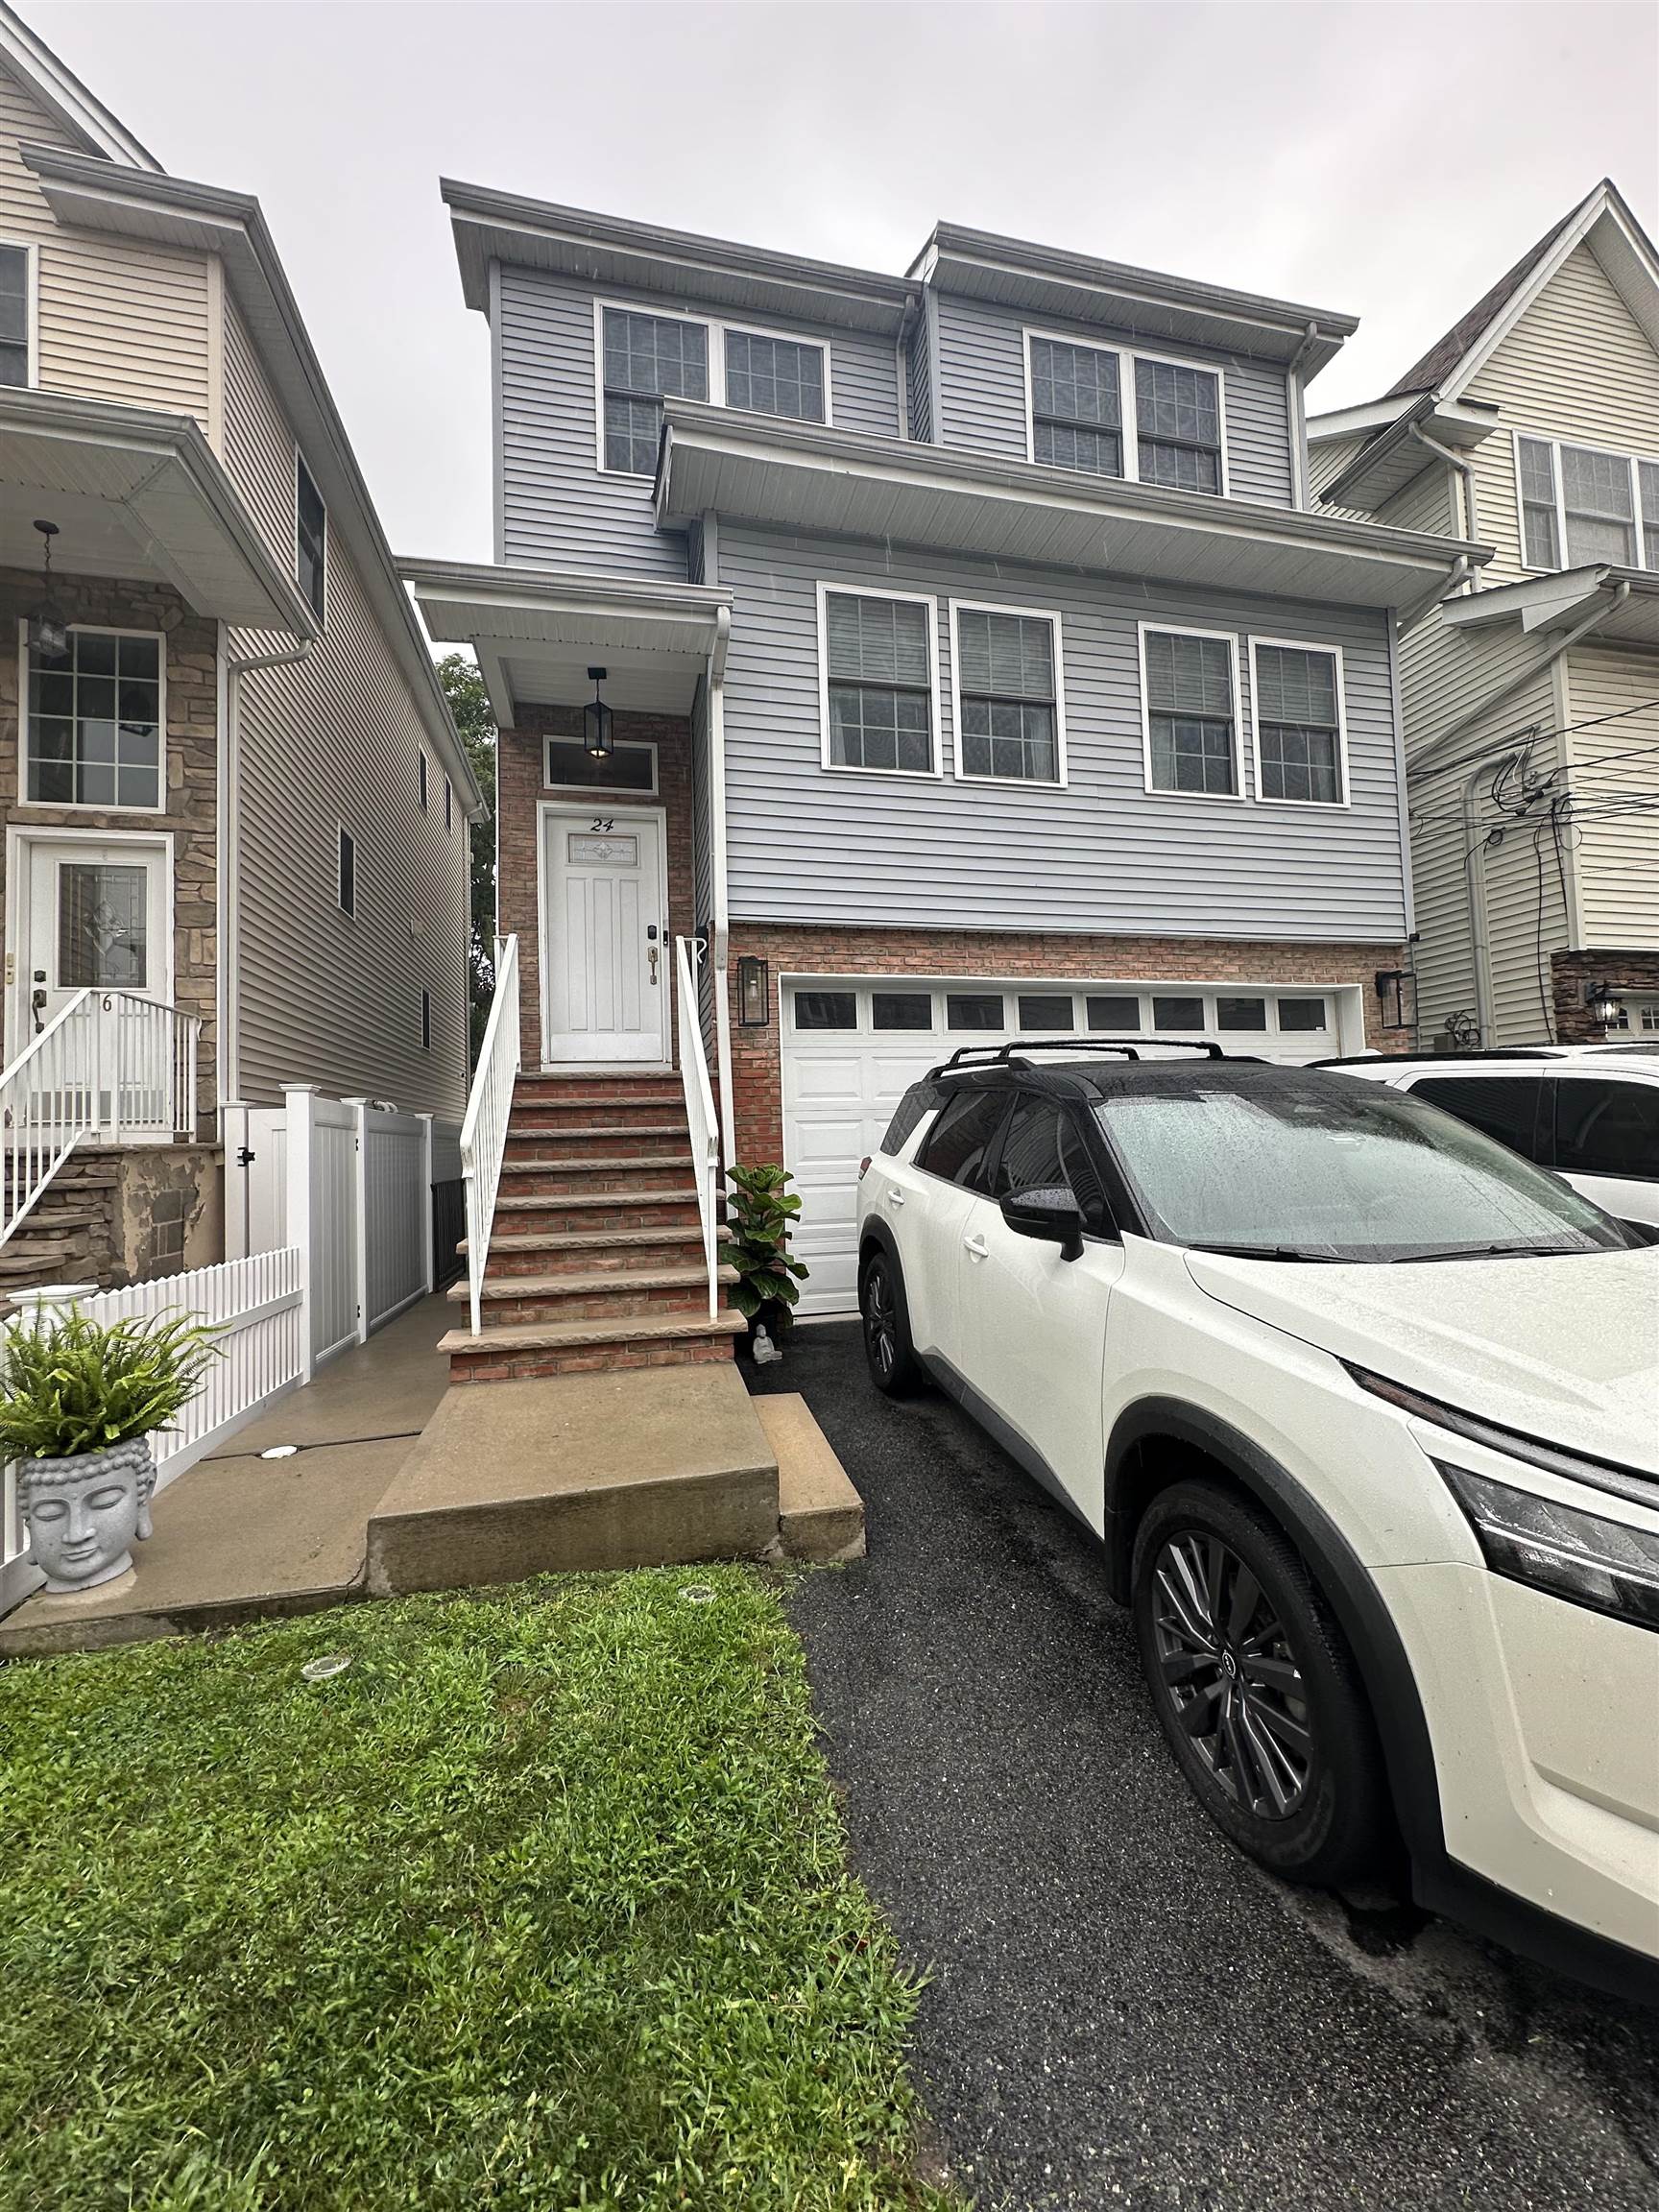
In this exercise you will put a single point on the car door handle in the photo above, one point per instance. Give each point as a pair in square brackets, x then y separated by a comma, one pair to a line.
[895, 1198]
[976, 1247]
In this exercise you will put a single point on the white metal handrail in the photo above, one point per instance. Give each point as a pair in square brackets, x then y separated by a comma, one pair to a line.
[107, 1064]
[488, 1109]
[699, 1104]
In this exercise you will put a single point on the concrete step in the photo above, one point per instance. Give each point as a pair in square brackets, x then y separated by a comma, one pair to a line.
[637, 1469]
[552, 1212]
[605, 1295]
[820, 1515]
[594, 1250]
[533, 1348]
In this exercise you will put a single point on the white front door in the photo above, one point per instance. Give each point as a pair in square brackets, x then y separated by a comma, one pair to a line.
[605, 949]
[95, 915]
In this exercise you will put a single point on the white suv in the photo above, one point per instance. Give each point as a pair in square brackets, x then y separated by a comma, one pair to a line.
[1366, 1411]
[1588, 1111]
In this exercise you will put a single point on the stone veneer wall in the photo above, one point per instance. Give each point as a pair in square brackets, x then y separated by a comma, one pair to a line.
[190, 811]
[1573, 973]
[520, 787]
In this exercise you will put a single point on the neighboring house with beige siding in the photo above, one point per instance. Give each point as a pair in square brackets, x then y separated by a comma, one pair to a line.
[1530, 695]
[229, 783]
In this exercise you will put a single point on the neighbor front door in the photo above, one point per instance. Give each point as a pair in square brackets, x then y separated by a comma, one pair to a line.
[605, 952]
[96, 918]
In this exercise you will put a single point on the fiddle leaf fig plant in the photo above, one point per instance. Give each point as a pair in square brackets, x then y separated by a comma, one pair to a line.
[70, 1385]
[760, 1212]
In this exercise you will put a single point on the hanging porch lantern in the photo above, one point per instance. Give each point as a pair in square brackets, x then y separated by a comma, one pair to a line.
[48, 625]
[1604, 1004]
[596, 720]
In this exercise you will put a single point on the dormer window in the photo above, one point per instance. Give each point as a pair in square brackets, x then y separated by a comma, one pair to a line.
[775, 376]
[1107, 413]
[1581, 505]
[647, 359]
[1076, 410]
[16, 310]
[1178, 425]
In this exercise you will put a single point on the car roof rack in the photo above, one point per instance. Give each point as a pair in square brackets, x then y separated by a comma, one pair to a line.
[1010, 1055]
[1477, 1052]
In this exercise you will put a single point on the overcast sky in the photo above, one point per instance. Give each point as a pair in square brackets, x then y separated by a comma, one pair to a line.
[1386, 159]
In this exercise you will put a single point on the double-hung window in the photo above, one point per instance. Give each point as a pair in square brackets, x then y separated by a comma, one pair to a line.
[1189, 691]
[1297, 690]
[1007, 670]
[1110, 414]
[1076, 407]
[1178, 425]
[95, 722]
[310, 539]
[775, 376]
[645, 360]
[878, 682]
[1581, 505]
[15, 309]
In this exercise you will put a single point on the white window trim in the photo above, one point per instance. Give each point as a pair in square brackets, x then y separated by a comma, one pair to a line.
[25, 724]
[1048, 615]
[1230, 637]
[550, 737]
[1631, 461]
[1302, 805]
[715, 329]
[925, 599]
[301, 462]
[1128, 433]
[30, 252]
[348, 913]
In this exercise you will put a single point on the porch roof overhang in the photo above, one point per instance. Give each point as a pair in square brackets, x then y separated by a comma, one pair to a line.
[137, 496]
[1628, 599]
[536, 633]
[754, 468]
[1391, 455]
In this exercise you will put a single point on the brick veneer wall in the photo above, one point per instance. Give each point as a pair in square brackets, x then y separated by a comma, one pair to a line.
[192, 780]
[1573, 973]
[520, 787]
[756, 1078]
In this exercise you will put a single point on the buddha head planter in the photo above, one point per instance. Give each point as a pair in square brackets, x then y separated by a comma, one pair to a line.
[84, 1514]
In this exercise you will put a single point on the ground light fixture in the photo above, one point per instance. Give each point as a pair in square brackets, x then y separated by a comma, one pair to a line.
[1604, 1004]
[48, 625]
[753, 992]
[598, 720]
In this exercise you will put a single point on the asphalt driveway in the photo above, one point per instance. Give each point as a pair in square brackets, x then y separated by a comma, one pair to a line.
[1122, 2011]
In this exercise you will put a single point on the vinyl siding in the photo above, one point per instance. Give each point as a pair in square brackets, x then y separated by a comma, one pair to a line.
[811, 844]
[1576, 365]
[982, 394]
[1326, 462]
[560, 508]
[1617, 854]
[336, 739]
[117, 320]
[1423, 504]
[919, 375]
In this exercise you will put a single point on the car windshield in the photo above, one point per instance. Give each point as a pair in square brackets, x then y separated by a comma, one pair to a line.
[1328, 1168]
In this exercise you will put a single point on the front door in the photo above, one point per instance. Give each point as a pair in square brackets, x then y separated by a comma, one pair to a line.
[605, 949]
[95, 916]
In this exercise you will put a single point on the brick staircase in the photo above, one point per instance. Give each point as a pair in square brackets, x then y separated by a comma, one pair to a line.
[596, 1255]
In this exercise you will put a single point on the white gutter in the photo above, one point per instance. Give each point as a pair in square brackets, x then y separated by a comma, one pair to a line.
[1296, 409]
[1449, 583]
[719, 931]
[1533, 669]
[1465, 469]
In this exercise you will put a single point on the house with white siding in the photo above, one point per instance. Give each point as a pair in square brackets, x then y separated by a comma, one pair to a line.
[940, 656]
[1530, 692]
[235, 810]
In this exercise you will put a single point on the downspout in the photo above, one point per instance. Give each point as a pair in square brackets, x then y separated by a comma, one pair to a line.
[1296, 410]
[720, 931]
[1465, 470]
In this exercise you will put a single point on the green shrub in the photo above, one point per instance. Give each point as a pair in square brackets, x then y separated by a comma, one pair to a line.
[71, 1384]
[760, 1212]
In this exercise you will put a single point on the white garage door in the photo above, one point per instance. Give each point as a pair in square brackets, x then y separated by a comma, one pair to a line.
[850, 1050]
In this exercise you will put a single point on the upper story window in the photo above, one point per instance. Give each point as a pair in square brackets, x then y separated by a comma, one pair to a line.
[1007, 665]
[879, 687]
[346, 877]
[1106, 413]
[1189, 689]
[1297, 691]
[425, 782]
[16, 309]
[775, 376]
[1580, 505]
[645, 360]
[95, 722]
[310, 539]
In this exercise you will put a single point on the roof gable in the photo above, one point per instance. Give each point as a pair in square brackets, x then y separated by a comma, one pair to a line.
[60, 93]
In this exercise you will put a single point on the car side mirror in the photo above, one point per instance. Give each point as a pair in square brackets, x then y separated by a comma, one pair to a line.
[1054, 1216]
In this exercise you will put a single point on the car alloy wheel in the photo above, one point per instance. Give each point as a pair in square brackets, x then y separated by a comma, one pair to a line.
[1229, 1672]
[880, 1320]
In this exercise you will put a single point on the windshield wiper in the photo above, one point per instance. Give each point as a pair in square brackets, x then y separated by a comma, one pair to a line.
[1268, 1252]
[1494, 1252]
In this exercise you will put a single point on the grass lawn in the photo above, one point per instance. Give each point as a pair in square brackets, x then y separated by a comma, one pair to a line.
[543, 1902]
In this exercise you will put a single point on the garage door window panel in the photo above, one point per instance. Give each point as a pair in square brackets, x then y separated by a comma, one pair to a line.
[959, 1148]
[1007, 667]
[880, 702]
[1046, 1010]
[973, 1010]
[825, 1010]
[1188, 686]
[902, 1010]
[1114, 1014]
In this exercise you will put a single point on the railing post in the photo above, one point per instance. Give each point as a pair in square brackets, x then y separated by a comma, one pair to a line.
[360, 1208]
[427, 1245]
[299, 1102]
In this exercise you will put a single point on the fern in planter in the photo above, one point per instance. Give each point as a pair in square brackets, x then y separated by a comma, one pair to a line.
[71, 1384]
[760, 1212]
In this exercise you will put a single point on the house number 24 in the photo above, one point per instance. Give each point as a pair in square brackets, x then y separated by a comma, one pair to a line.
[603, 822]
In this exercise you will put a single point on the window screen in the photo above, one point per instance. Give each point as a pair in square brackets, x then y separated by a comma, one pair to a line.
[956, 1145]
[881, 682]
[774, 377]
[1648, 473]
[1607, 1128]
[647, 358]
[1597, 495]
[1502, 1106]
[1189, 712]
[310, 539]
[1298, 732]
[1538, 522]
[95, 722]
[13, 314]
[1005, 685]
[1076, 408]
[1178, 425]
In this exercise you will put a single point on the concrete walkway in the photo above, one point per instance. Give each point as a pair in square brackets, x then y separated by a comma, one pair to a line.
[240, 1537]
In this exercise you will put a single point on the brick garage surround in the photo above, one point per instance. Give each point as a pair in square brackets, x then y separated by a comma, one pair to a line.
[756, 1076]
[1574, 974]
[520, 787]
[192, 777]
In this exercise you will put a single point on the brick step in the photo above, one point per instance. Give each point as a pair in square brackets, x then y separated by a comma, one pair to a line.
[585, 1114]
[588, 1347]
[553, 1212]
[523, 1129]
[557, 1148]
[581, 1087]
[600, 1297]
[589, 1251]
[576, 1178]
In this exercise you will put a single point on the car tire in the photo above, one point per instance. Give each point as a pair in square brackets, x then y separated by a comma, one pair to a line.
[893, 1367]
[1256, 1689]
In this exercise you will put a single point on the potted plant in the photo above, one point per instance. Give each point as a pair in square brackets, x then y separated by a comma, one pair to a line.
[78, 1402]
[758, 1212]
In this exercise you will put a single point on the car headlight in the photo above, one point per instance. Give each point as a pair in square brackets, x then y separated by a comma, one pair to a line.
[1606, 1565]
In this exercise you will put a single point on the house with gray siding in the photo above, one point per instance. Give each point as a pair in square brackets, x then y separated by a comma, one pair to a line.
[234, 805]
[953, 655]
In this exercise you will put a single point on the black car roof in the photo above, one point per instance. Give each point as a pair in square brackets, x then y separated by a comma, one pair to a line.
[1114, 1075]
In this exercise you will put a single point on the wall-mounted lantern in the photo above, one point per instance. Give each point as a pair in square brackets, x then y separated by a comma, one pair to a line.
[753, 992]
[597, 719]
[1397, 996]
[48, 627]
[1604, 1004]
